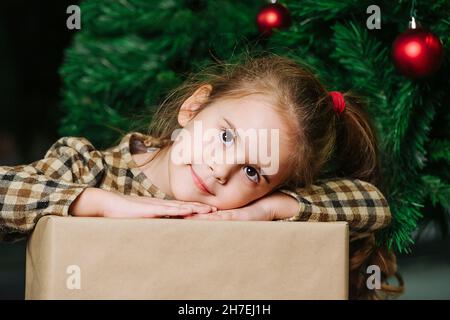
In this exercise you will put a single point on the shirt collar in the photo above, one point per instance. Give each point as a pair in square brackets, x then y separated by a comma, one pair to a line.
[124, 148]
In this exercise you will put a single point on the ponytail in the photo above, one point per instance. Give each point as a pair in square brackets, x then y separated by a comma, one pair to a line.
[356, 143]
[356, 156]
[363, 253]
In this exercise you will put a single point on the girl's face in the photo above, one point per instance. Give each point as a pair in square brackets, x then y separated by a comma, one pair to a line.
[223, 168]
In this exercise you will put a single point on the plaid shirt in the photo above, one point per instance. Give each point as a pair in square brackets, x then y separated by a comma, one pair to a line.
[49, 186]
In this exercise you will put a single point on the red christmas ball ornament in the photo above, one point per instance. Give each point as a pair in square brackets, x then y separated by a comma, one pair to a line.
[273, 15]
[417, 52]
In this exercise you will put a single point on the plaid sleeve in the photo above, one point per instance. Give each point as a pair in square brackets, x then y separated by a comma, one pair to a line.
[47, 186]
[359, 203]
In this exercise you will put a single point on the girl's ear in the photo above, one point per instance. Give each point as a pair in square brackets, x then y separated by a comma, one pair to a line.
[193, 104]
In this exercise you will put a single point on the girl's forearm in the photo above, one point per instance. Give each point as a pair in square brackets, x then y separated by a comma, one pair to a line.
[87, 203]
[283, 205]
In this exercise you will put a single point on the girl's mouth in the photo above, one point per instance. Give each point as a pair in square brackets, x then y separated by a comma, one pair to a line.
[198, 182]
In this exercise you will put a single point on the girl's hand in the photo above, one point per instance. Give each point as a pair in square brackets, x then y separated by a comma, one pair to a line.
[274, 206]
[98, 202]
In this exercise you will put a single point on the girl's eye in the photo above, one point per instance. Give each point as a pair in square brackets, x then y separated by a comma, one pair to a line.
[227, 137]
[251, 173]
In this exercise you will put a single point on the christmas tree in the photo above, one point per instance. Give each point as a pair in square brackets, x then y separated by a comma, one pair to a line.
[129, 54]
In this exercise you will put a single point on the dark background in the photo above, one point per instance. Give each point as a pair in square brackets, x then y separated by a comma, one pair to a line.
[33, 36]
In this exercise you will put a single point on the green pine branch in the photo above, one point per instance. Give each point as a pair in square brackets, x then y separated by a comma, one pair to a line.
[437, 190]
[439, 150]
[129, 53]
[366, 61]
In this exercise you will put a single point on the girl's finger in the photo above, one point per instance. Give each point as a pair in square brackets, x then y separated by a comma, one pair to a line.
[198, 209]
[172, 203]
[196, 206]
[176, 203]
[230, 215]
[202, 207]
[161, 211]
[201, 216]
[184, 209]
[200, 203]
[194, 203]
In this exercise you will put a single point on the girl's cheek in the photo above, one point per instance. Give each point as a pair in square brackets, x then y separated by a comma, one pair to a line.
[210, 153]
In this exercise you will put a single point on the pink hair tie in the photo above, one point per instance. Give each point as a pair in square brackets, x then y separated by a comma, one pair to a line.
[338, 101]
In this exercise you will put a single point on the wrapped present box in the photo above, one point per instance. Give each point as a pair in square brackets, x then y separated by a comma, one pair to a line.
[107, 258]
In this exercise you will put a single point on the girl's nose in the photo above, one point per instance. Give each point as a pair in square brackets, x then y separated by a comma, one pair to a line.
[221, 172]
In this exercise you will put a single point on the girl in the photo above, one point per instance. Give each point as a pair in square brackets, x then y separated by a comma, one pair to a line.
[323, 163]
